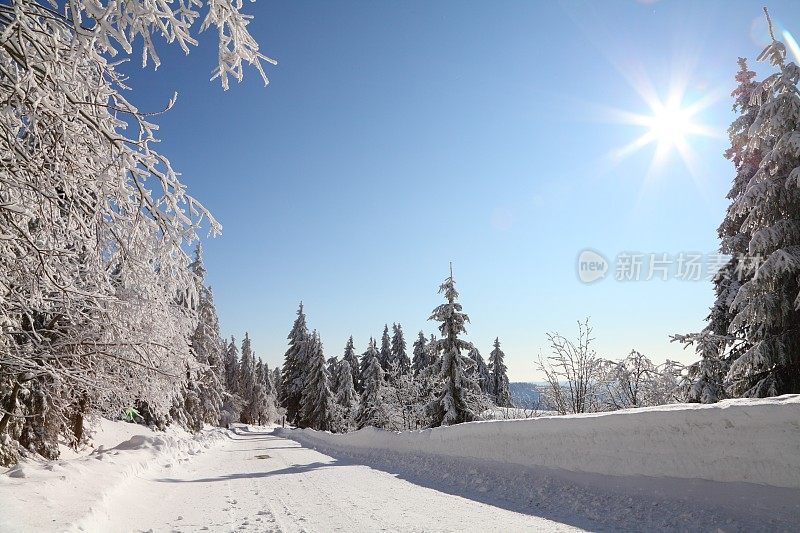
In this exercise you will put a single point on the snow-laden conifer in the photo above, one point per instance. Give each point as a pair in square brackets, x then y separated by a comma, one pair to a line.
[420, 360]
[372, 408]
[294, 367]
[498, 372]
[459, 398]
[317, 400]
[480, 371]
[346, 398]
[399, 354]
[386, 349]
[352, 360]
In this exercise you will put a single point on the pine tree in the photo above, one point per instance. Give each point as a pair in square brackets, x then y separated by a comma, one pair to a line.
[247, 382]
[372, 409]
[352, 360]
[294, 367]
[333, 364]
[459, 399]
[317, 400]
[366, 360]
[480, 370]
[767, 306]
[276, 382]
[499, 388]
[420, 355]
[399, 354]
[346, 397]
[717, 345]
[207, 346]
[232, 367]
[386, 349]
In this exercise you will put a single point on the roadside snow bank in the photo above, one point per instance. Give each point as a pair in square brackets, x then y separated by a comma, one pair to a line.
[72, 493]
[750, 441]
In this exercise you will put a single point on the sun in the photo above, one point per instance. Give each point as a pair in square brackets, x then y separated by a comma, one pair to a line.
[669, 125]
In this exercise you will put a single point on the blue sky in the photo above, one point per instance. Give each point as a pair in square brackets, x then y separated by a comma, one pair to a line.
[397, 137]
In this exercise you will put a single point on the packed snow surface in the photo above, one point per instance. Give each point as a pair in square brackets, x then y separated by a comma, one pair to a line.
[484, 476]
[753, 441]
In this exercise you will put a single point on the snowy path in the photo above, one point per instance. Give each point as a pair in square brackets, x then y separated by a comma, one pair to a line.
[260, 482]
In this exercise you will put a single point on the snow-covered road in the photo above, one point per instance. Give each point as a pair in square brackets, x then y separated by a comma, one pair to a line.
[257, 481]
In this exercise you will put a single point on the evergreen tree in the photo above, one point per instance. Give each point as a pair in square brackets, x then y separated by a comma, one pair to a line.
[760, 348]
[247, 382]
[480, 370]
[386, 349]
[294, 367]
[232, 367]
[499, 388]
[276, 382]
[366, 360]
[346, 397]
[420, 360]
[459, 397]
[207, 346]
[767, 306]
[317, 400]
[399, 354]
[717, 346]
[372, 409]
[352, 360]
[333, 364]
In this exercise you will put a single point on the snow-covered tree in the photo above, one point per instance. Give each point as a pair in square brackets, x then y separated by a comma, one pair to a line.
[373, 406]
[386, 349]
[637, 382]
[352, 361]
[574, 373]
[294, 367]
[208, 347]
[399, 354]
[317, 401]
[498, 377]
[333, 364]
[481, 371]
[420, 360]
[717, 346]
[763, 334]
[366, 361]
[346, 398]
[459, 398]
[232, 366]
[94, 221]
[247, 383]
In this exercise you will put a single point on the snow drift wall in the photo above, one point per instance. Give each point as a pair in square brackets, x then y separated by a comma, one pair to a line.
[754, 441]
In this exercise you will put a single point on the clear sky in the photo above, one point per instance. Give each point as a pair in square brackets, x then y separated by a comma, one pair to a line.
[396, 137]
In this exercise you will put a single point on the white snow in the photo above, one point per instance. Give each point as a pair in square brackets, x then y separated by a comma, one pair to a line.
[752, 440]
[71, 491]
[635, 471]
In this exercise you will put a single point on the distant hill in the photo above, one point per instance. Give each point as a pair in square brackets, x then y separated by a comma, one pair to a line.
[524, 394]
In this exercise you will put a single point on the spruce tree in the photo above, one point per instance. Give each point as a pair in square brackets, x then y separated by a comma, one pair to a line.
[208, 347]
[366, 360]
[717, 345]
[399, 354]
[317, 400]
[333, 363]
[420, 355]
[294, 367]
[459, 397]
[499, 388]
[352, 360]
[232, 367]
[767, 306]
[247, 382]
[372, 409]
[346, 397]
[480, 370]
[386, 349]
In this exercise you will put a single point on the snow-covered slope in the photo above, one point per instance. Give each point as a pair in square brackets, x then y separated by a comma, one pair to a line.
[751, 441]
[59, 495]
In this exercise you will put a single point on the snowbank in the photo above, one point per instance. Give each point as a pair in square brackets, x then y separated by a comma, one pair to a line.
[72, 492]
[751, 441]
